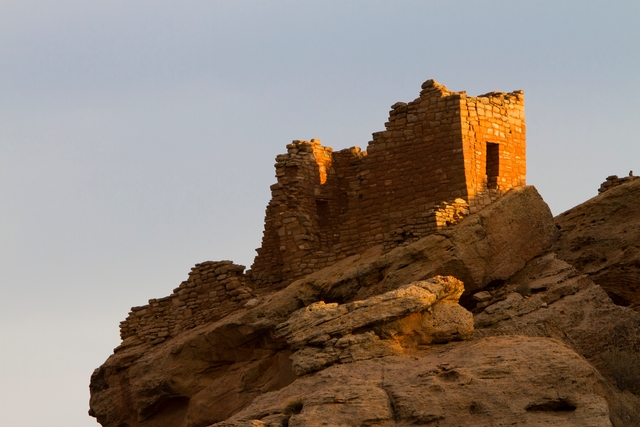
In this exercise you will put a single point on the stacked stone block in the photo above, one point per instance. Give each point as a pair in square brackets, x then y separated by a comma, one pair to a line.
[613, 181]
[440, 157]
[304, 201]
[494, 120]
[440, 216]
[213, 290]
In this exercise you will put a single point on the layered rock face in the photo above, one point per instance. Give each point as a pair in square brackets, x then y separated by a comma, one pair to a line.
[417, 314]
[601, 237]
[364, 342]
[491, 381]
[209, 373]
[550, 298]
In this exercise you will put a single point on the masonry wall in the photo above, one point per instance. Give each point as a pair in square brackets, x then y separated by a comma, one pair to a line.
[410, 169]
[426, 170]
[613, 181]
[213, 290]
[494, 119]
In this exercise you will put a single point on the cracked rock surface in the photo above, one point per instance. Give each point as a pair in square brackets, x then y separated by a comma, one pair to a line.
[601, 238]
[540, 328]
[469, 383]
[416, 314]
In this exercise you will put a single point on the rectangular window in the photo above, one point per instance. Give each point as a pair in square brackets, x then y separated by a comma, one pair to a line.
[493, 165]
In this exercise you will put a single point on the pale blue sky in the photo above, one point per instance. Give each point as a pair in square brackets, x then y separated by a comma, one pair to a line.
[138, 138]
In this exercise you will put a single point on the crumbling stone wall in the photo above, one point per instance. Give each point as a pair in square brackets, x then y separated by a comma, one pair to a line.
[213, 290]
[441, 215]
[613, 181]
[441, 156]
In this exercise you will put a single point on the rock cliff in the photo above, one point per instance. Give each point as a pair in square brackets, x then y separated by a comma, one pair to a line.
[489, 322]
[601, 238]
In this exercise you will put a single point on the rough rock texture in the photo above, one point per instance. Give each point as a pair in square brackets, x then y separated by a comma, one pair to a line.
[540, 328]
[559, 302]
[489, 246]
[416, 314]
[601, 237]
[210, 372]
[495, 381]
[550, 298]
[200, 377]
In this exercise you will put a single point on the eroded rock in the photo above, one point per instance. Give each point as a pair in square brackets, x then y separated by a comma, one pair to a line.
[601, 238]
[416, 314]
[226, 370]
[471, 383]
[568, 306]
[320, 319]
[203, 377]
[484, 248]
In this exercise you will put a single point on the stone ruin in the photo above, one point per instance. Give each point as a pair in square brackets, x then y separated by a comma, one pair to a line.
[442, 156]
[613, 181]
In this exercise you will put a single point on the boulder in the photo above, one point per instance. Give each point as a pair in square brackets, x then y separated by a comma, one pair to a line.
[416, 314]
[550, 298]
[199, 377]
[561, 303]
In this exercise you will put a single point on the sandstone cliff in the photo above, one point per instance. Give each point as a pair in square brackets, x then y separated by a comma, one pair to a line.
[379, 338]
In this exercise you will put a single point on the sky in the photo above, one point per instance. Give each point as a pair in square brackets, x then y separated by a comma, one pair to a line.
[138, 137]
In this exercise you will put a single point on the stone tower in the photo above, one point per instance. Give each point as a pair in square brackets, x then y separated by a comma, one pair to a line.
[441, 156]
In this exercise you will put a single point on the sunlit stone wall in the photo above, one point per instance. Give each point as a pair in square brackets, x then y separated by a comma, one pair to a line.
[440, 157]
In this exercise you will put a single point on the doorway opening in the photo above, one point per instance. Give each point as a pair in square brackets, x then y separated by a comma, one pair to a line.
[493, 165]
[324, 213]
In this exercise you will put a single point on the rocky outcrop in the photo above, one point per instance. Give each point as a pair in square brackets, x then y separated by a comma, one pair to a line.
[359, 343]
[416, 314]
[484, 248]
[491, 381]
[601, 237]
[550, 298]
[212, 371]
[202, 376]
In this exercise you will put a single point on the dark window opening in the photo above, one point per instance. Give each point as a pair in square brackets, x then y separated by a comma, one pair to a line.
[493, 165]
[324, 213]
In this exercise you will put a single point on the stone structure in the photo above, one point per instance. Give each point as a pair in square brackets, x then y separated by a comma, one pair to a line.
[441, 156]
[613, 181]
[213, 290]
